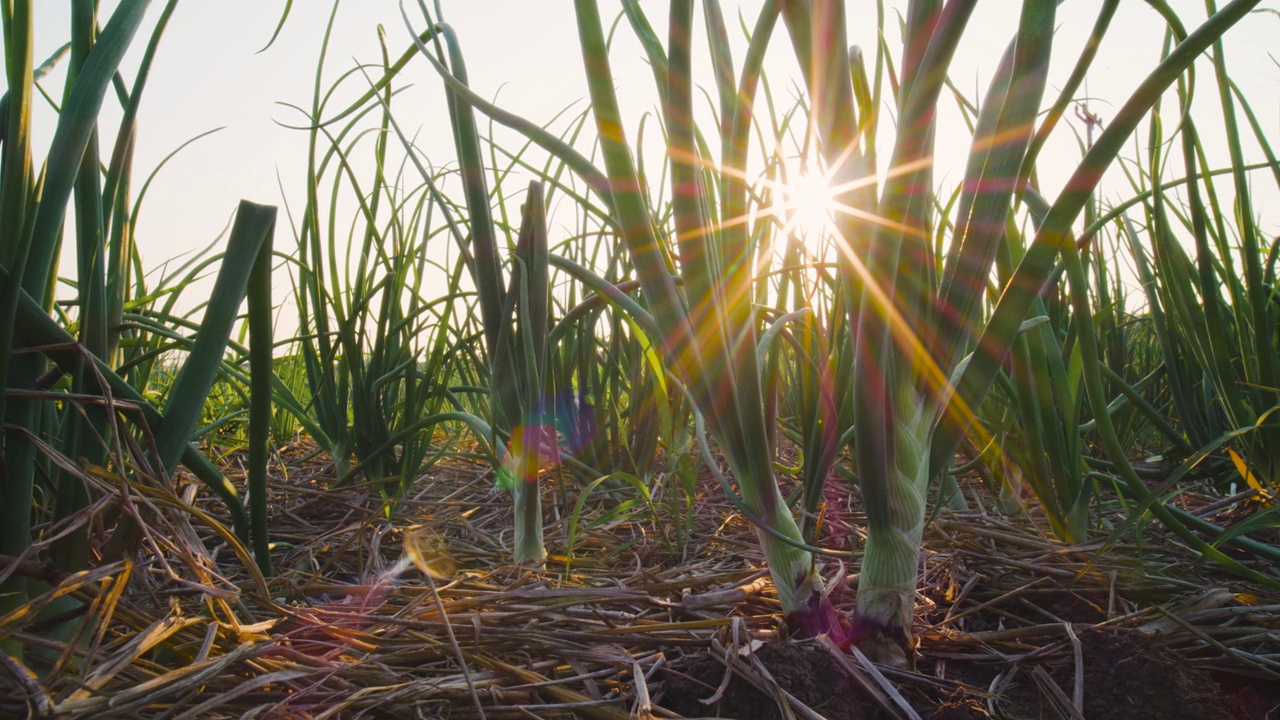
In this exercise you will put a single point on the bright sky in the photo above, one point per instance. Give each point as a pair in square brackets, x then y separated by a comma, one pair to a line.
[524, 52]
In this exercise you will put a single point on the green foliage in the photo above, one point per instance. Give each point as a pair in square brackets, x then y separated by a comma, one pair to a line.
[926, 352]
[377, 342]
[37, 479]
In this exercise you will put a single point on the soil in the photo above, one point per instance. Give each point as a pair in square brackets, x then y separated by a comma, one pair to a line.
[1128, 675]
[1131, 675]
[802, 669]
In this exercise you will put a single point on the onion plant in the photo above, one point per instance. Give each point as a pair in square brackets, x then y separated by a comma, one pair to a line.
[707, 325]
[33, 228]
[34, 205]
[1045, 388]
[706, 332]
[514, 320]
[812, 365]
[1213, 309]
[513, 316]
[926, 354]
[378, 350]
[509, 369]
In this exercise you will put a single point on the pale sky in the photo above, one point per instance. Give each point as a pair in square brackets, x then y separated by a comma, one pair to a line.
[524, 52]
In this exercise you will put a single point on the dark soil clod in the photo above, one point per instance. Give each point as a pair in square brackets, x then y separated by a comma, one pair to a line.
[802, 669]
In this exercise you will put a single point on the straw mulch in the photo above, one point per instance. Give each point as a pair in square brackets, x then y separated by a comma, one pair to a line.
[1010, 623]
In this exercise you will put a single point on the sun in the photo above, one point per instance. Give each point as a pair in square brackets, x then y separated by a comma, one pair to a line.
[806, 206]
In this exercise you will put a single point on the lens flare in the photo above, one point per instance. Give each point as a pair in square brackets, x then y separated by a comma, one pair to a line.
[427, 550]
[565, 420]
